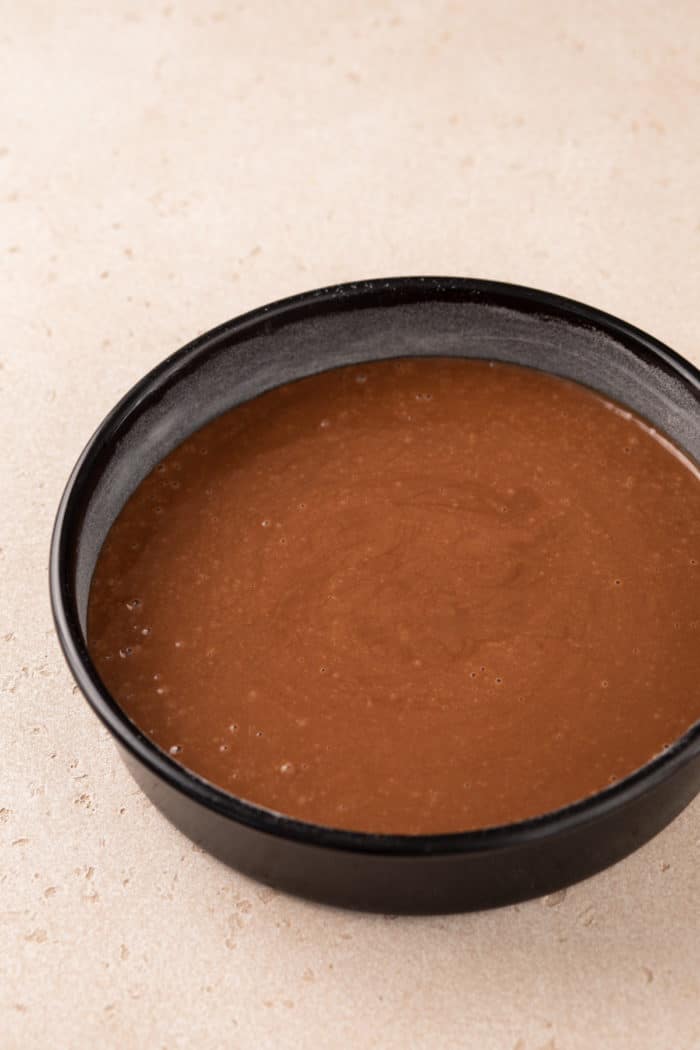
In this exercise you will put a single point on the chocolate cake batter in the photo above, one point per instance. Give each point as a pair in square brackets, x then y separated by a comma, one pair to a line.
[412, 597]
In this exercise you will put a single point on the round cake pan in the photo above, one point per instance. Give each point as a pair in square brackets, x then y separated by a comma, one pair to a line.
[300, 336]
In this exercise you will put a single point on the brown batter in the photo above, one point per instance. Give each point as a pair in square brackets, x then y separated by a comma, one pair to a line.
[413, 596]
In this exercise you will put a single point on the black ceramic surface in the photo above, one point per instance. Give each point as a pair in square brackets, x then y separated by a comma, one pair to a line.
[310, 333]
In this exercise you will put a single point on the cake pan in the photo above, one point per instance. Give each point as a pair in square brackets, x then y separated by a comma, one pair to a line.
[300, 336]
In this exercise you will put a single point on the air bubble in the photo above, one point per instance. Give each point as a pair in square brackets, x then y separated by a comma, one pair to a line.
[178, 645]
[145, 631]
[126, 651]
[499, 681]
[472, 674]
[322, 670]
[258, 732]
[223, 747]
[266, 523]
[287, 768]
[175, 749]
[605, 683]
[324, 424]
[133, 603]
[233, 728]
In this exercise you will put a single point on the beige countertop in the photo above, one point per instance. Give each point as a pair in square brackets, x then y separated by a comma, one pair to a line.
[163, 168]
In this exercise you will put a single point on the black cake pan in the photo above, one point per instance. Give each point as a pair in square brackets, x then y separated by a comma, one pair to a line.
[309, 333]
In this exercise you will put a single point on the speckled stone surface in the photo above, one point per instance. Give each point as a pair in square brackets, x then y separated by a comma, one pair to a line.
[160, 171]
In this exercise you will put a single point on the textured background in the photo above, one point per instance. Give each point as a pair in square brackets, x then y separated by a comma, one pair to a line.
[161, 171]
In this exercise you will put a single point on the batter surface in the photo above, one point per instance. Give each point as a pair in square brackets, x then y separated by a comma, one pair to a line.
[409, 597]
